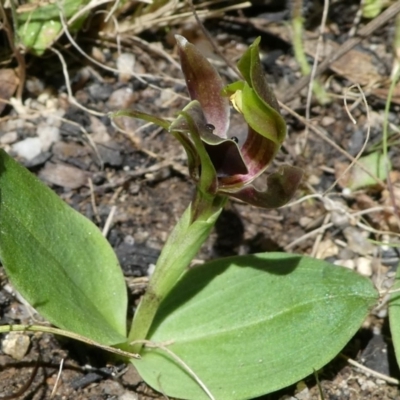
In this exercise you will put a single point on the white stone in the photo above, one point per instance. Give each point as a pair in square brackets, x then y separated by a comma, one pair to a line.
[302, 391]
[364, 266]
[48, 135]
[28, 148]
[16, 345]
[100, 134]
[54, 119]
[151, 269]
[9, 137]
[327, 248]
[128, 396]
[345, 263]
[125, 65]
[347, 192]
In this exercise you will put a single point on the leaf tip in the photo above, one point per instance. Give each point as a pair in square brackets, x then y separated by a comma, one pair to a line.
[181, 41]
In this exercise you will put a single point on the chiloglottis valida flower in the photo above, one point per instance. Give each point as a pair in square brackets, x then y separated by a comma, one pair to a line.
[219, 164]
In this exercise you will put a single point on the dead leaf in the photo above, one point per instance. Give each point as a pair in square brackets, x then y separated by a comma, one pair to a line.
[8, 85]
[64, 175]
[356, 66]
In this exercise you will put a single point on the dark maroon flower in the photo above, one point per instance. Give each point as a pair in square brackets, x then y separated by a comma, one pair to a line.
[218, 163]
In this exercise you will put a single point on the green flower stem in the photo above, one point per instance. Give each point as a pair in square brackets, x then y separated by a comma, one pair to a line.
[299, 52]
[184, 242]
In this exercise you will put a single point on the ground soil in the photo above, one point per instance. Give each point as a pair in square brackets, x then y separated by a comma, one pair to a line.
[141, 170]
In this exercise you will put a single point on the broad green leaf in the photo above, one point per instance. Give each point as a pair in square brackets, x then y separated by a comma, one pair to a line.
[39, 26]
[38, 36]
[394, 315]
[375, 163]
[251, 325]
[372, 8]
[58, 260]
[45, 11]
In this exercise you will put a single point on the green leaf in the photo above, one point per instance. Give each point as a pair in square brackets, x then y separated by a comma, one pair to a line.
[38, 36]
[251, 325]
[372, 8]
[261, 117]
[49, 10]
[394, 315]
[251, 68]
[39, 27]
[58, 260]
[375, 163]
[254, 98]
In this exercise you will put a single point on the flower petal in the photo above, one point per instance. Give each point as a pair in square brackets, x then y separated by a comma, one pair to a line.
[205, 85]
[191, 122]
[255, 99]
[257, 152]
[281, 188]
[250, 67]
[226, 158]
[223, 153]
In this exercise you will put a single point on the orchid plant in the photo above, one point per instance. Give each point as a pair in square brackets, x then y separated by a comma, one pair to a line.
[232, 328]
[220, 165]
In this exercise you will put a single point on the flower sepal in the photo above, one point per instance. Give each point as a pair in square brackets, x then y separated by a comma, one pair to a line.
[281, 186]
[210, 156]
[254, 99]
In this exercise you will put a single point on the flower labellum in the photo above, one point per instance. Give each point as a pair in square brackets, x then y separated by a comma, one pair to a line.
[217, 163]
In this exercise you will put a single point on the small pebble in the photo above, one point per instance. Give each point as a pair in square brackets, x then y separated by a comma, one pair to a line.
[346, 263]
[131, 376]
[326, 121]
[121, 99]
[314, 180]
[48, 135]
[34, 85]
[368, 385]
[382, 313]
[347, 193]
[98, 55]
[151, 269]
[64, 175]
[16, 345]
[110, 156]
[9, 138]
[302, 391]
[125, 65]
[128, 396]
[129, 239]
[165, 98]
[100, 91]
[100, 134]
[112, 388]
[305, 221]
[327, 248]
[364, 266]
[28, 148]
[55, 118]
[357, 241]
[339, 218]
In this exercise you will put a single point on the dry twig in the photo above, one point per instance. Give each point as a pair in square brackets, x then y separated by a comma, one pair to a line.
[364, 32]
